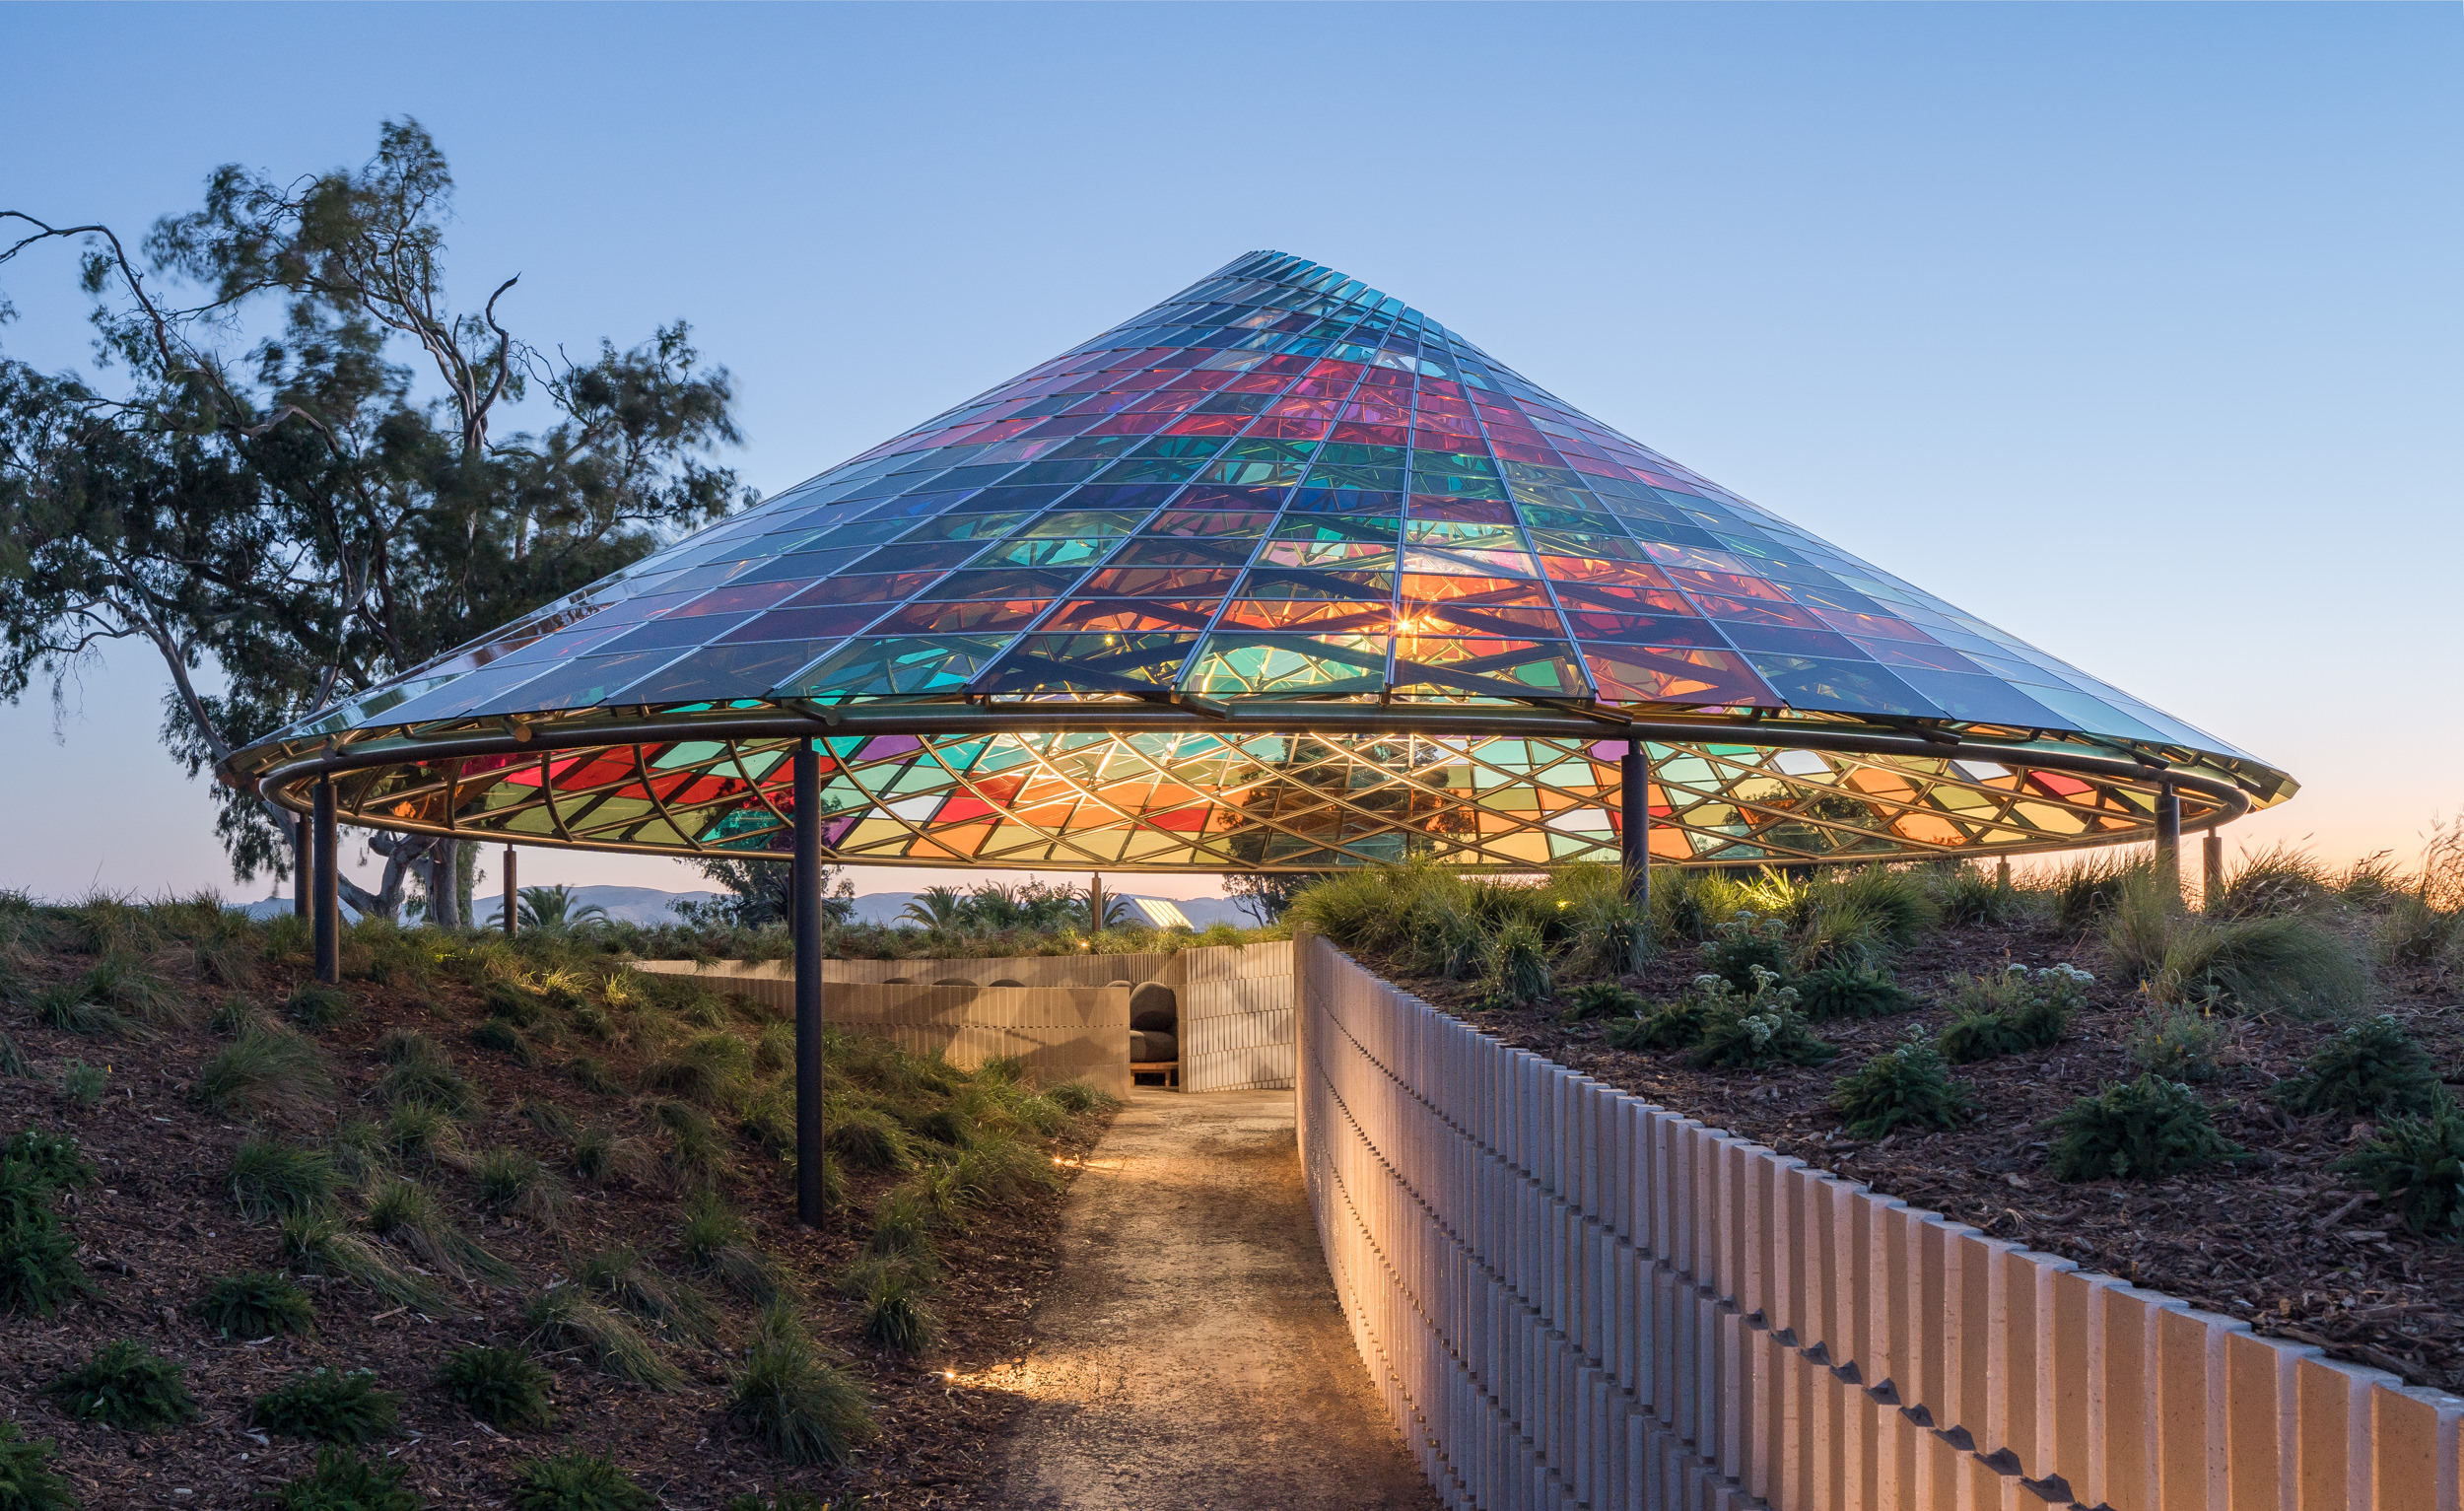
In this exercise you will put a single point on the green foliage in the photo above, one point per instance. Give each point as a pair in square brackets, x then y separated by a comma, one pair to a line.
[2417, 1162]
[1860, 916]
[1973, 896]
[554, 907]
[2173, 1044]
[696, 1157]
[1676, 1025]
[1850, 991]
[1757, 1034]
[65, 1006]
[13, 1060]
[406, 1214]
[419, 1134]
[1517, 964]
[341, 1481]
[578, 1482]
[272, 1179]
[319, 1243]
[511, 1181]
[318, 1005]
[868, 1139]
[256, 1304]
[39, 1269]
[1079, 1096]
[1605, 934]
[502, 1387]
[803, 1409]
[2415, 935]
[899, 1314]
[718, 1244]
[2137, 1130]
[2010, 1012]
[27, 1483]
[331, 1406]
[2088, 889]
[120, 982]
[419, 1072]
[622, 1278]
[1746, 944]
[600, 1157]
[2370, 1069]
[264, 1071]
[2275, 882]
[504, 1037]
[710, 1071]
[903, 1229]
[127, 1384]
[1906, 1085]
[52, 1158]
[1688, 907]
[562, 1316]
[2260, 962]
[795, 1501]
[1602, 1000]
[84, 1084]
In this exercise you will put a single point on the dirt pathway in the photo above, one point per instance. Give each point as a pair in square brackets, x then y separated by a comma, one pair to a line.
[1192, 1355]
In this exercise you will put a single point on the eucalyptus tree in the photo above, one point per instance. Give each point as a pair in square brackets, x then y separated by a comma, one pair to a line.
[292, 461]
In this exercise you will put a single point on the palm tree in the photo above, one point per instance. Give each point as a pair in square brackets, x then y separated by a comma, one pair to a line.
[936, 907]
[553, 908]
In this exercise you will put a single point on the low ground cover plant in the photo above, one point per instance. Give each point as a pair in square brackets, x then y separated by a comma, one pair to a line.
[341, 1481]
[27, 1483]
[2416, 1163]
[127, 1384]
[2012, 1011]
[1904, 1087]
[329, 1405]
[2135, 1130]
[2370, 1069]
[256, 1304]
[502, 1387]
[801, 1408]
[578, 1482]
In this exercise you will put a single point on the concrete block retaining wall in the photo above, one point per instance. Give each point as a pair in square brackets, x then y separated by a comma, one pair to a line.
[1236, 1015]
[1572, 1298]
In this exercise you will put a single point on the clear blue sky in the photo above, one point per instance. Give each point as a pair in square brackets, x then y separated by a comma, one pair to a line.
[2130, 328]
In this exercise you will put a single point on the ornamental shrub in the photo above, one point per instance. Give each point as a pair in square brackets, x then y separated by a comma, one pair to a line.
[1906, 1085]
[2135, 1130]
[2370, 1071]
[2418, 1163]
[1850, 991]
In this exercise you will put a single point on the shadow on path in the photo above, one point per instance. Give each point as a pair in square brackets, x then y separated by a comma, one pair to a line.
[1190, 1353]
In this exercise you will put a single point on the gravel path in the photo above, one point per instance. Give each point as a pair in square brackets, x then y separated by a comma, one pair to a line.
[1191, 1354]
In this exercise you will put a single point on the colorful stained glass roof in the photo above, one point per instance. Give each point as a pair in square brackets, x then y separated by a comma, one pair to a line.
[1279, 504]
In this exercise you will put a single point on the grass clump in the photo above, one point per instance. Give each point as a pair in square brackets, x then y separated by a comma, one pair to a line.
[2415, 935]
[623, 1277]
[264, 1071]
[2275, 882]
[511, 1181]
[506, 1037]
[2173, 1044]
[710, 1071]
[2372, 1069]
[341, 1481]
[899, 1314]
[405, 1212]
[330, 1407]
[320, 1243]
[419, 1072]
[2417, 1162]
[578, 1482]
[1905, 1086]
[560, 1315]
[800, 1407]
[317, 1005]
[27, 1483]
[2262, 962]
[1970, 896]
[2012, 1012]
[1517, 964]
[67, 1007]
[502, 1387]
[2137, 1130]
[272, 1179]
[127, 1384]
[600, 1157]
[254, 1304]
[1850, 991]
[13, 1061]
[84, 1084]
[1079, 1096]
[868, 1139]
[718, 1244]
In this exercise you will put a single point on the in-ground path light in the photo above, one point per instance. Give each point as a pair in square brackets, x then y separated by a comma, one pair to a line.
[1280, 575]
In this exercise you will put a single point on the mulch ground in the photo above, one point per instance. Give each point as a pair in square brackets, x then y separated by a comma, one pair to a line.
[160, 1223]
[2280, 1240]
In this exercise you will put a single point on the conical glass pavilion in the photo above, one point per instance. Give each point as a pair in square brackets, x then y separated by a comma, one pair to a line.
[1279, 573]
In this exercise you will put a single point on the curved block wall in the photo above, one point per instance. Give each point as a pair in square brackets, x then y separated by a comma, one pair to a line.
[1572, 1298]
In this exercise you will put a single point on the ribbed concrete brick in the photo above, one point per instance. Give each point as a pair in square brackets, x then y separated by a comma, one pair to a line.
[2412, 1436]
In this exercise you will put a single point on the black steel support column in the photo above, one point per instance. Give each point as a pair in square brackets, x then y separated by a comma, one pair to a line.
[1634, 833]
[302, 866]
[2210, 869]
[2168, 836]
[326, 865]
[807, 888]
[512, 895]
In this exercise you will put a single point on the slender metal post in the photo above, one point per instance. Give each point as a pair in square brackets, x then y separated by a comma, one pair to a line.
[1634, 776]
[328, 872]
[2168, 837]
[805, 887]
[1095, 902]
[301, 868]
[511, 894]
[2210, 869]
